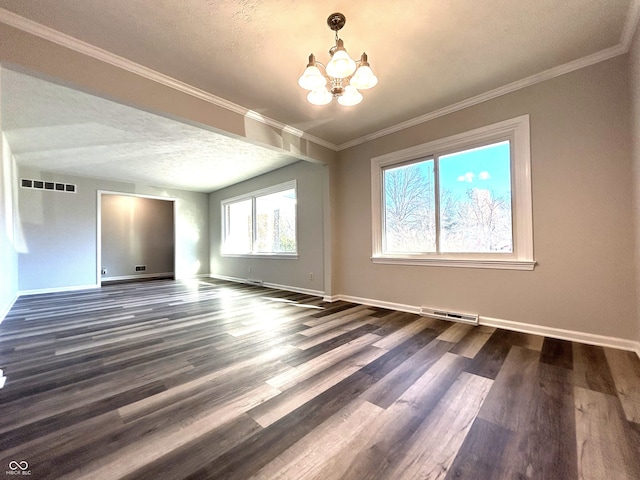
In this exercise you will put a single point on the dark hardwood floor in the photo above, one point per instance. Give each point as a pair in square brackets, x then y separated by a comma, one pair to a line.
[214, 380]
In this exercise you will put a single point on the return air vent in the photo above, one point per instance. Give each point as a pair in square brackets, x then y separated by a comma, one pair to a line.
[42, 185]
[470, 318]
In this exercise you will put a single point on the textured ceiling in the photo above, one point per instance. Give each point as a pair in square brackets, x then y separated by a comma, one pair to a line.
[427, 53]
[57, 129]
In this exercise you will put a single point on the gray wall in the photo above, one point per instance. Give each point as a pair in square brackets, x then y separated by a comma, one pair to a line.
[311, 180]
[634, 66]
[136, 231]
[60, 231]
[8, 237]
[583, 224]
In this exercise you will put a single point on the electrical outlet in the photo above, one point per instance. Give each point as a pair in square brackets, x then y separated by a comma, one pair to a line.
[249, 269]
[104, 271]
[311, 276]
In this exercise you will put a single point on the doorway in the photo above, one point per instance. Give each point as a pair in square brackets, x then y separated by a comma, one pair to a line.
[136, 237]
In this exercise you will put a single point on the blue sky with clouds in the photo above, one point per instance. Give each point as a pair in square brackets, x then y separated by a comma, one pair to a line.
[487, 168]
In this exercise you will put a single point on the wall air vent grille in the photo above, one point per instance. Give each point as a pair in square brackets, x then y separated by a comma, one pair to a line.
[52, 186]
[470, 318]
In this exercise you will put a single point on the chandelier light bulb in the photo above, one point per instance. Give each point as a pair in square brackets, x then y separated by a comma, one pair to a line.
[319, 96]
[364, 77]
[350, 97]
[312, 78]
[341, 64]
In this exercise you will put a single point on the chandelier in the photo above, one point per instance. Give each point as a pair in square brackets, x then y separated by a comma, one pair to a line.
[342, 77]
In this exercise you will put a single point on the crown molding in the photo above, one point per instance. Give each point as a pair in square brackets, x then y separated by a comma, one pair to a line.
[491, 94]
[289, 129]
[47, 33]
[631, 25]
[72, 43]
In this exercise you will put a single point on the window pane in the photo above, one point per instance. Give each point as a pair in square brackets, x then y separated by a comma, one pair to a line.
[276, 222]
[409, 208]
[475, 200]
[238, 227]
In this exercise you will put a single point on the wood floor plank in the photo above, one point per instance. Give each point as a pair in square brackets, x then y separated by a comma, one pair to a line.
[248, 458]
[403, 334]
[304, 460]
[435, 444]
[171, 395]
[604, 446]
[335, 323]
[481, 454]
[388, 389]
[305, 342]
[296, 358]
[154, 447]
[544, 446]
[625, 369]
[557, 352]
[455, 332]
[56, 402]
[469, 345]
[591, 370]
[306, 370]
[273, 410]
[386, 437]
[319, 320]
[188, 458]
[508, 402]
[489, 359]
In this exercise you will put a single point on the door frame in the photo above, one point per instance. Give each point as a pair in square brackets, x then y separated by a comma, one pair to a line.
[100, 193]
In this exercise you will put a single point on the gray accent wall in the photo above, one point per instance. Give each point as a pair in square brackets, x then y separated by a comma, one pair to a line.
[311, 182]
[136, 231]
[60, 231]
[582, 217]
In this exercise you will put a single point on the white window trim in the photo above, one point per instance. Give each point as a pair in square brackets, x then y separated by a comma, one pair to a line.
[252, 196]
[516, 130]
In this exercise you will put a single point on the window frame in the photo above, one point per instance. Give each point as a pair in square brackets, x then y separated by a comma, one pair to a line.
[516, 131]
[253, 196]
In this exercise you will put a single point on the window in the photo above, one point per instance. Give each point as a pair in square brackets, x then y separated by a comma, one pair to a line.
[261, 223]
[463, 201]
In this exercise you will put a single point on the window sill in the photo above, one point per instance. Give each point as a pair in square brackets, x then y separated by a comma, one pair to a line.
[461, 263]
[276, 256]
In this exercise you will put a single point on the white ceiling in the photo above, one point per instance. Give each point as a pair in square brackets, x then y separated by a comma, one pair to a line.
[427, 54]
[53, 128]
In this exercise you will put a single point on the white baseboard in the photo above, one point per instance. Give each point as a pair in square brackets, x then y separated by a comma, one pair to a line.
[40, 291]
[288, 288]
[562, 334]
[379, 303]
[552, 332]
[197, 275]
[331, 298]
[143, 276]
[5, 310]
